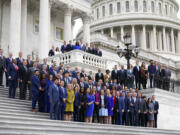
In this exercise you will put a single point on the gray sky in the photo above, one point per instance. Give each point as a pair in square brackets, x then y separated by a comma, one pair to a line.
[78, 23]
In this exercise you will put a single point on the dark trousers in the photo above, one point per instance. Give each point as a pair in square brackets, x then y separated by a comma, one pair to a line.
[61, 111]
[23, 89]
[151, 81]
[155, 120]
[115, 117]
[144, 83]
[7, 80]
[123, 83]
[1, 76]
[34, 99]
[136, 118]
[12, 88]
[41, 101]
[76, 113]
[30, 91]
[96, 114]
[125, 118]
[141, 120]
[54, 110]
[120, 117]
[138, 83]
[131, 118]
[145, 119]
[82, 114]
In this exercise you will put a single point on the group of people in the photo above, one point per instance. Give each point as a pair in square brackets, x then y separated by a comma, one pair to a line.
[78, 46]
[75, 95]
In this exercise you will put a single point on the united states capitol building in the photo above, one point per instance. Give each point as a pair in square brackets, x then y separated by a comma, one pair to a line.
[33, 26]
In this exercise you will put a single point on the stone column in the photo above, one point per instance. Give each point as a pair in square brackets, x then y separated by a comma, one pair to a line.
[154, 45]
[164, 39]
[112, 32]
[178, 44]
[24, 47]
[15, 27]
[44, 21]
[67, 23]
[144, 38]
[160, 40]
[172, 41]
[86, 29]
[122, 33]
[133, 35]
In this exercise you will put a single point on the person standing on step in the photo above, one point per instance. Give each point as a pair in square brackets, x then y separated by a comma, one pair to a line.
[9, 61]
[12, 72]
[54, 100]
[23, 80]
[36, 87]
[2, 66]
[156, 109]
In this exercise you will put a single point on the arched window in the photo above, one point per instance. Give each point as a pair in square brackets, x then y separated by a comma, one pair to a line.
[118, 7]
[144, 6]
[160, 9]
[127, 6]
[110, 9]
[97, 13]
[152, 6]
[136, 5]
[103, 11]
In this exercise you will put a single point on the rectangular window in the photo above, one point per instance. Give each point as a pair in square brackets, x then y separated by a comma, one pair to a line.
[136, 5]
[118, 7]
[59, 33]
[97, 13]
[144, 6]
[103, 11]
[166, 9]
[148, 36]
[152, 7]
[110, 9]
[160, 9]
[162, 41]
[127, 6]
[138, 40]
[36, 26]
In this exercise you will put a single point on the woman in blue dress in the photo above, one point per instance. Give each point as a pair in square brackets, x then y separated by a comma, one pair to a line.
[47, 103]
[90, 105]
[110, 107]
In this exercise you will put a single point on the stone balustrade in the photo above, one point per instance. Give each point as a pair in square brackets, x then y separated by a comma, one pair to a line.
[77, 57]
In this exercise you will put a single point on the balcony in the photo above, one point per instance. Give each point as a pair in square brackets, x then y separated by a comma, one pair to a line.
[80, 59]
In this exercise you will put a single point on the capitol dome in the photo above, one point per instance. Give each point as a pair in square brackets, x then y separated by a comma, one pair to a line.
[153, 24]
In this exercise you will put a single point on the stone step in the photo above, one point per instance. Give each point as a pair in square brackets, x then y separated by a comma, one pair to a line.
[15, 104]
[10, 114]
[15, 108]
[20, 102]
[5, 98]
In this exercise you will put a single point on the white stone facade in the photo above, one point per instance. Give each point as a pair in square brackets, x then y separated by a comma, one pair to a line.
[33, 26]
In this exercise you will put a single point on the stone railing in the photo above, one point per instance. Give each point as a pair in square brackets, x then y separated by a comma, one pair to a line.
[77, 57]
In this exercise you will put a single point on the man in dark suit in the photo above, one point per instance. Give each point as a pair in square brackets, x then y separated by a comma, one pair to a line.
[142, 110]
[114, 73]
[99, 76]
[99, 52]
[20, 60]
[85, 48]
[166, 74]
[8, 62]
[63, 47]
[29, 62]
[52, 52]
[156, 108]
[23, 73]
[2, 66]
[83, 74]
[45, 64]
[137, 74]
[62, 98]
[135, 109]
[90, 49]
[151, 71]
[122, 76]
[69, 46]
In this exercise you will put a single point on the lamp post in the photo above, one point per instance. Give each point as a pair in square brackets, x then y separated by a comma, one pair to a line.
[130, 50]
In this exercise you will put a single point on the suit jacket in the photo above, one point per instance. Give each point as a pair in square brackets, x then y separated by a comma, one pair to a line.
[51, 53]
[142, 105]
[137, 72]
[156, 106]
[121, 104]
[122, 75]
[105, 101]
[62, 94]
[29, 64]
[8, 62]
[54, 93]
[151, 70]
[114, 75]
[166, 74]
[97, 77]
[83, 75]
[69, 47]
[23, 73]
[99, 53]
[35, 84]
[85, 49]
[31, 73]
[77, 101]
[19, 61]
[63, 48]
[108, 85]
[130, 104]
[12, 72]
[2, 62]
